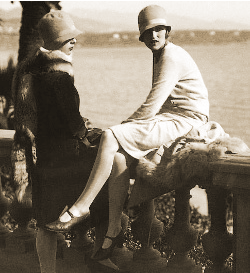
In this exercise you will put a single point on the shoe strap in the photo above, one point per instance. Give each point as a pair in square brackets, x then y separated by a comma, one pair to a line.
[70, 214]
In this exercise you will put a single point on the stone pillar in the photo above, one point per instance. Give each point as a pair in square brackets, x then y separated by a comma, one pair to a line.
[147, 229]
[217, 243]
[121, 256]
[182, 237]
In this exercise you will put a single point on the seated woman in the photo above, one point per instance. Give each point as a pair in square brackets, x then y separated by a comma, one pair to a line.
[177, 102]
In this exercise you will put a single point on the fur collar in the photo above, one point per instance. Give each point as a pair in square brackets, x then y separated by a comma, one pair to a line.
[55, 54]
[42, 61]
[57, 60]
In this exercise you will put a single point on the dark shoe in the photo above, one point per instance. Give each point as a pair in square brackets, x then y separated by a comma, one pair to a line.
[63, 227]
[105, 253]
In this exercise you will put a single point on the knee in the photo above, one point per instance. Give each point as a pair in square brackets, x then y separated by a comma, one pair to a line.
[109, 141]
[107, 134]
[120, 159]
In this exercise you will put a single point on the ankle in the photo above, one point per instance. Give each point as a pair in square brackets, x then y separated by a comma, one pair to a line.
[65, 217]
[114, 232]
[78, 212]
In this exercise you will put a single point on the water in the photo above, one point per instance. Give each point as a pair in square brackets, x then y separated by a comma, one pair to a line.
[113, 82]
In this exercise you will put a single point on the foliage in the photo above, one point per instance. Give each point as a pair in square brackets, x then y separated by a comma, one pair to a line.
[6, 75]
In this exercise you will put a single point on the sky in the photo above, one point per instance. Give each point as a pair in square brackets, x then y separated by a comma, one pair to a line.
[237, 11]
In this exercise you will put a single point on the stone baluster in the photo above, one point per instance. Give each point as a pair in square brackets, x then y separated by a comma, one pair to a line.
[147, 229]
[217, 243]
[182, 237]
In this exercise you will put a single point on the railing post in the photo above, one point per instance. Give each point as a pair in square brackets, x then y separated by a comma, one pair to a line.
[182, 237]
[217, 243]
[147, 229]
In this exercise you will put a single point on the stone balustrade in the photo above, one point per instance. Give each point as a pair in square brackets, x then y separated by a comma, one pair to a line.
[229, 175]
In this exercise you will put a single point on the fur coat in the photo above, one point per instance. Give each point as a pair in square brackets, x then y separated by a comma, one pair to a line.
[185, 162]
[23, 155]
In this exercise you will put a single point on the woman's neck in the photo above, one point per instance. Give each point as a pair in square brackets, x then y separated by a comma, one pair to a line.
[157, 53]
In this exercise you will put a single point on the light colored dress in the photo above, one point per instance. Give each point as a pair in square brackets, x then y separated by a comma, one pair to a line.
[177, 102]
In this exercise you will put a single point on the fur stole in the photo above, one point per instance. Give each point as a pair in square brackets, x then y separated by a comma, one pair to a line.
[23, 154]
[185, 162]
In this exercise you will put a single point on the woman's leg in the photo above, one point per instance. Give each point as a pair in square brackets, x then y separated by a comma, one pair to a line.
[118, 190]
[99, 175]
[46, 246]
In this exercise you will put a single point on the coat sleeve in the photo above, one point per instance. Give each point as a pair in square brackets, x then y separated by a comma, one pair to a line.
[68, 99]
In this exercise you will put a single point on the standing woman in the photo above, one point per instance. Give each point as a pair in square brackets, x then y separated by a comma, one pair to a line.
[47, 116]
[177, 102]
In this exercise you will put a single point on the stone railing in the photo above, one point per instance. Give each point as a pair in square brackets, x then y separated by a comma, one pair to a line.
[228, 175]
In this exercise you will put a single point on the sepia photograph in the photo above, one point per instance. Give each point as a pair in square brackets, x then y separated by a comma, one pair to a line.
[124, 136]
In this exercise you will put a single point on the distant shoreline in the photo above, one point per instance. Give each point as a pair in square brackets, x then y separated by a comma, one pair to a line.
[180, 37]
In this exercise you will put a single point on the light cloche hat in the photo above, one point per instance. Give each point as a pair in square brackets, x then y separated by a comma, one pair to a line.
[57, 27]
[151, 16]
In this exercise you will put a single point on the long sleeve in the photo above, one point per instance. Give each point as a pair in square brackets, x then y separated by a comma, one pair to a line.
[68, 99]
[166, 75]
[177, 83]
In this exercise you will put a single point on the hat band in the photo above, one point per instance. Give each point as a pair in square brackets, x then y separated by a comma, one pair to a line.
[158, 21]
[66, 31]
[152, 23]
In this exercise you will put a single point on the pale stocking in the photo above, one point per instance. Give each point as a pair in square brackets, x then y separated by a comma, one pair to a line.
[98, 176]
[118, 189]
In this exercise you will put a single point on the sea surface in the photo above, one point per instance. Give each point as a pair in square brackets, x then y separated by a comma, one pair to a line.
[113, 82]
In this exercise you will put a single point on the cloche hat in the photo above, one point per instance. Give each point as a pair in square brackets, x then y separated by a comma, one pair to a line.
[151, 16]
[57, 27]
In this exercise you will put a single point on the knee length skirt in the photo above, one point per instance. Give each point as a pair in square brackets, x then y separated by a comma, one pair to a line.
[138, 138]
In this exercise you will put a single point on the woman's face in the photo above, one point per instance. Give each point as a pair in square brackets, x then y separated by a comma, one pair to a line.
[68, 46]
[155, 38]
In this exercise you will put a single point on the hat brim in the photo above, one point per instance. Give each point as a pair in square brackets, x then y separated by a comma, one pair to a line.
[69, 35]
[151, 26]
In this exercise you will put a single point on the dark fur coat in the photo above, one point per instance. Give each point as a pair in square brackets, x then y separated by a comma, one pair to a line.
[42, 63]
